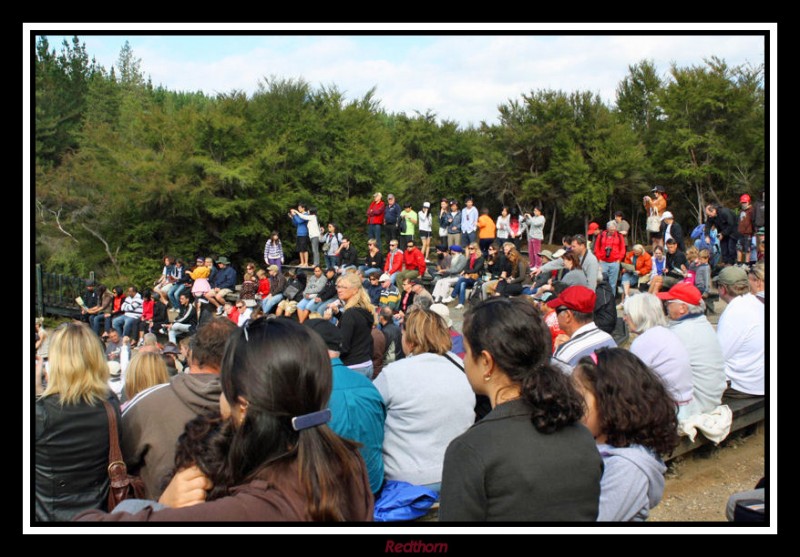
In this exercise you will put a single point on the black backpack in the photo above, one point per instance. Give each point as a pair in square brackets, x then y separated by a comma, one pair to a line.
[759, 214]
[605, 312]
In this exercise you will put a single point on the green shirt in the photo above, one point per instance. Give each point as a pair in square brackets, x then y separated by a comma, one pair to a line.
[411, 221]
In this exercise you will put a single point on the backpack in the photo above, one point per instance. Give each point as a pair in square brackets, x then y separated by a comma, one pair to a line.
[605, 312]
[401, 224]
[759, 214]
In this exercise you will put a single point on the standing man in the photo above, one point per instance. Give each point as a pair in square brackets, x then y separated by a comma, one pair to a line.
[375, 218]
[745, 229]
[391, 216]
[224, 283]
[454, 225]
[609, 248]
[469, 223]
[727, 230]
[623, 226]
[740, 332]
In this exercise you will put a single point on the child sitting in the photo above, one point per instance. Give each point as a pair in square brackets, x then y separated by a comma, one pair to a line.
[702, 276]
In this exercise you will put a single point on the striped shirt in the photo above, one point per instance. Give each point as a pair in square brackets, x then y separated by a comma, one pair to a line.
[273, 251]
[582, 343]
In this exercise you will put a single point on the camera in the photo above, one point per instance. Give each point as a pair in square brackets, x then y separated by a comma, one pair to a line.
[608, 252]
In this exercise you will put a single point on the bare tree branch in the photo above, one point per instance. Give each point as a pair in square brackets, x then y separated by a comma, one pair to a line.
[58, 223]
[108, 251]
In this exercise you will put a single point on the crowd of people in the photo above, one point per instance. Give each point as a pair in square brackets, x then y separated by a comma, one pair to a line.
[301, 396]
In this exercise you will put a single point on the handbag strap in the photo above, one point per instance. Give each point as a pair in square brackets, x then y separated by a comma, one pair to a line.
[114, 452]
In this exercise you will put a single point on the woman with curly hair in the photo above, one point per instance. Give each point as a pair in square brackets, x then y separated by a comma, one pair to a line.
[632, 417]
[529, 459]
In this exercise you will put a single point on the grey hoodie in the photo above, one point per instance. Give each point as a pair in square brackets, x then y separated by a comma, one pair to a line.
[632, 483]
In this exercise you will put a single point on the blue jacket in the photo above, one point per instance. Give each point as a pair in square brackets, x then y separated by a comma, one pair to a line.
[225, 278]
[301, 224]
[358, 413]
[391, 213]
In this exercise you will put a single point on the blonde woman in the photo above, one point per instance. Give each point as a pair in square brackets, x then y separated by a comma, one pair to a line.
[147, 369]
[429, 401]
[71, 447]
[356, 319]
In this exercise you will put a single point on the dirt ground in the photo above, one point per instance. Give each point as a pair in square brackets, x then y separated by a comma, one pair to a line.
[699, 484]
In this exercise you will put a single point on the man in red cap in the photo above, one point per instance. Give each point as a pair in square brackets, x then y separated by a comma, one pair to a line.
[574, 311]
[686, 312]
[745, 230]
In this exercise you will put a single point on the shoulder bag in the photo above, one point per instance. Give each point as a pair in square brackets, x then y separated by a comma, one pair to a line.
[123, 485]
[653, 222]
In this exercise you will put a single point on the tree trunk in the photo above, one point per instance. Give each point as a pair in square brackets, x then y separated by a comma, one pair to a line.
[553, 224]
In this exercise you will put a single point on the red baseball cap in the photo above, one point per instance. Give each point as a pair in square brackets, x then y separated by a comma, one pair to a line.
[744, 199]
[684, 292]
[576, 298]
[593, 227]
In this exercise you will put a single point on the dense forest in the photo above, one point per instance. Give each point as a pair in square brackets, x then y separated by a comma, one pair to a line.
[126, 172]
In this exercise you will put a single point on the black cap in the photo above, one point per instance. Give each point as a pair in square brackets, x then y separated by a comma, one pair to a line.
[329, 332]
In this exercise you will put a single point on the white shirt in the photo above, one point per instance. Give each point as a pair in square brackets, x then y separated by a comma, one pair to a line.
[469, 220]
[425, 221]
[740, 333]
[503, 226]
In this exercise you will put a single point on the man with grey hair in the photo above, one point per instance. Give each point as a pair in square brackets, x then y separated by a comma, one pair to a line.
[609, 248]
[589, 263]
[740, 332]
[393, 334]
[686, 312]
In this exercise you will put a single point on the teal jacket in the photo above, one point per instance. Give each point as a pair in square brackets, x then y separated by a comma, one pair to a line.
[358, 413]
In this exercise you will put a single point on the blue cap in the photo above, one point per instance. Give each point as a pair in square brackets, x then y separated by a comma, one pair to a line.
[456, 248]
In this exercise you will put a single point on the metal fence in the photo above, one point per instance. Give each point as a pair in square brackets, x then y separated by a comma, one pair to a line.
[56, 293]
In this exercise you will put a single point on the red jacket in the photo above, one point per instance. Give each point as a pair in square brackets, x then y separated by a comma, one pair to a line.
[415, 261]
[616, 242]
[375, 212]
[263, 287]
[394, 262]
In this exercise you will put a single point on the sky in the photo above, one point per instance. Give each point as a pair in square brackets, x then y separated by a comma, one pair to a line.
[458, 77]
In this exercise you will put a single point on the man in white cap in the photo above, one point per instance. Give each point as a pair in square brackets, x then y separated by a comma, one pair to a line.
[671, 229]
[740, 332]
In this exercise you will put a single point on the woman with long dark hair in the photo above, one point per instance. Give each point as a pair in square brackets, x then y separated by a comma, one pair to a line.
[283, 462]
[529, 459]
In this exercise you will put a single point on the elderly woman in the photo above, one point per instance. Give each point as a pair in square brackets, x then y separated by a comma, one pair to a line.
[428, 401]
[71, 442]
[637, 266]
[659, 348]
[529, 459]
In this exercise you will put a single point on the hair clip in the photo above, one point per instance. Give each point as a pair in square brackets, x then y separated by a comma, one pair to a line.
[311, 420]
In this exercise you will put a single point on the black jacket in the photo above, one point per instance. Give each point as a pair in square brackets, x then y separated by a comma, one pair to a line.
[71, 457]
[725, 221]
[394, 344]
[328, 291]
[356, 326]
[605, 312]
[374, 261]
[348, 256]
[676, 231]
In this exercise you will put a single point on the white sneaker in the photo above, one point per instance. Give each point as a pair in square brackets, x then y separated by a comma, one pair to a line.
[459, 306]
[220, 310]
[447, 300]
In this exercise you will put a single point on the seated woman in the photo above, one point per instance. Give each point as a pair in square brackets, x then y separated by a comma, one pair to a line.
[659, 348]
[659, 267]
[283, 463]
[71, 440]
[632, 417]
[428, 401]
[145, 370]
[529, 459]
[637, 267]
[574, 274]
[515, 273]
[315, 284]
[471, 273]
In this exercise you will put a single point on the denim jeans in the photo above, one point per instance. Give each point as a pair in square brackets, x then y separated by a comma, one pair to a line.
[173, 294]
[175, 329]
[331, 261]
[125, 325]
[374, 231]
[613, 273]
[268, 303]
[460, 288]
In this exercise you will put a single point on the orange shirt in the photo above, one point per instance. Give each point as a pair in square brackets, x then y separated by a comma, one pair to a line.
[486, 227]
